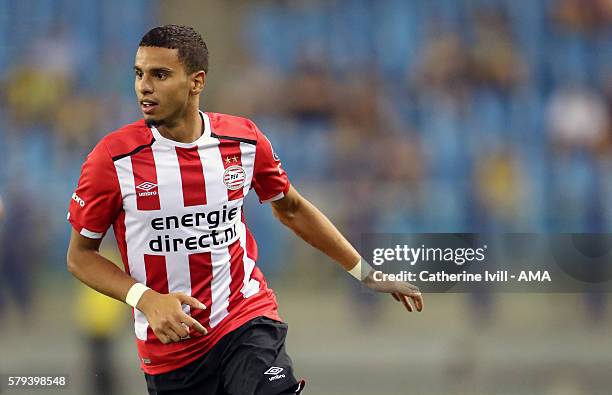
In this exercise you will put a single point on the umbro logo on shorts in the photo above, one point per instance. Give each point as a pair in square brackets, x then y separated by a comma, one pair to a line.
[274, 370]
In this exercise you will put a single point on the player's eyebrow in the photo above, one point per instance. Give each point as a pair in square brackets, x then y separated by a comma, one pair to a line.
[155, 69]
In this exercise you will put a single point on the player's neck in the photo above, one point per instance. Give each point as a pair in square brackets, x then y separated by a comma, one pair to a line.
[186, 129]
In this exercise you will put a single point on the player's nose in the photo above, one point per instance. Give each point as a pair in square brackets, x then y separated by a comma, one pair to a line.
[144, 86]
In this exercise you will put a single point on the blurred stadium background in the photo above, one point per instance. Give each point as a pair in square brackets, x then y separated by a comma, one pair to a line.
[390, 115]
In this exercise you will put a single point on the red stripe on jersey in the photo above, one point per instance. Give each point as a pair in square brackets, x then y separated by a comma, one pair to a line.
[237, 274]
[145, 180]
[192, 176]
[231, 156]
[200, 269]
[157, 280]
[119, 229]
[157, 276]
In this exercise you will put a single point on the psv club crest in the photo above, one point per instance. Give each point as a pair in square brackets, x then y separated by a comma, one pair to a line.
[234, 177]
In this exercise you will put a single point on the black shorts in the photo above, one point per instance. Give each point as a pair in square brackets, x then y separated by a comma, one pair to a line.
[250, 360]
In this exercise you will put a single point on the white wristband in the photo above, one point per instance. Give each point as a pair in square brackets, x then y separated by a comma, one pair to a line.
[135, 293]
[361, 270]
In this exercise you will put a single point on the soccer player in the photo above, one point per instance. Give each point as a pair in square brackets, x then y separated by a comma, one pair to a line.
[172, 185]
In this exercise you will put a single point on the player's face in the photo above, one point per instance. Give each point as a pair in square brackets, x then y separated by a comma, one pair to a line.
[162, 85]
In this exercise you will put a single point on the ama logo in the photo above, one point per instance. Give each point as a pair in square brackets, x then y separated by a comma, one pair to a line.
[147, 189]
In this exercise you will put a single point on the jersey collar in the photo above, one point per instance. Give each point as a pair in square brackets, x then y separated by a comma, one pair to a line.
[206, 134]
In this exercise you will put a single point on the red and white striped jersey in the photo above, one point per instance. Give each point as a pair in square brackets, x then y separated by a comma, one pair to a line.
[176, 211]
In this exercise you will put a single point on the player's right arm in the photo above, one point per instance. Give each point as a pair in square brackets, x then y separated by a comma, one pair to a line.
[86, 264]
[163, 311]
[95, 205]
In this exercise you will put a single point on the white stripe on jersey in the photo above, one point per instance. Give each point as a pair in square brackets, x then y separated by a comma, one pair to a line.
[179, 276]
[247, 153]
[220, 285]
[135, 253]
[207, 128]
[250, 286]
[212, 164]
[167, 168]
[171, 200]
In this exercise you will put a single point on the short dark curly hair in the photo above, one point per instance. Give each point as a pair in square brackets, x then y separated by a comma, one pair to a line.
[192, 50]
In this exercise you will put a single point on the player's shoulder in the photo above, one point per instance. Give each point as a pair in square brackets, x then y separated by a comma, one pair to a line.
[124, 141]
[233, 127]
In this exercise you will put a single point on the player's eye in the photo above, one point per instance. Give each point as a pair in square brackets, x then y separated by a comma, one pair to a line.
[138, 74]
[161, 75]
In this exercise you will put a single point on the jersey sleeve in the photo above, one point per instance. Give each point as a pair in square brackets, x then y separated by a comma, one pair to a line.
[269, 178]
[96, 202]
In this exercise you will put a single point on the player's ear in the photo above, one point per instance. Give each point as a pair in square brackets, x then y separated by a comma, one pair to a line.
[198, 80]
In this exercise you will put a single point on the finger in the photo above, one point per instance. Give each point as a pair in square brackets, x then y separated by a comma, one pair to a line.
[179, 329]
[172, 335]
[418, 302]
[162, 337]
[193, 323]
[190, 300]
[394, 294]
[406, 304]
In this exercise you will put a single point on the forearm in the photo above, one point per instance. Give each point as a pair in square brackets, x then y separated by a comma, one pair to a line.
[99, 273]
[317, 230]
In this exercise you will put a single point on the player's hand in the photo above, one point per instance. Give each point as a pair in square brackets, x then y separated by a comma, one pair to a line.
[401, 291]
[166, 317]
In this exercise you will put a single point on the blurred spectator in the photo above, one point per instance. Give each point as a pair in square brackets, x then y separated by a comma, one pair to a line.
[606, 84]
[254, 89]
[444, 65]
[19, 251]
[311, 92]
[495, 60]
[99, 331]
[578, 118]
[36, 87]
[497, 184]
[583, 16]
[75, 123]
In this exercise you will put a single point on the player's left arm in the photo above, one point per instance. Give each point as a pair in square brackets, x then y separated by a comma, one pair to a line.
[310, 224]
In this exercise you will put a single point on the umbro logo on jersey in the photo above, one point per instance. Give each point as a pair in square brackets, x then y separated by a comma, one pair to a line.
[234, 177]
[147, 188]
[77, 199]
